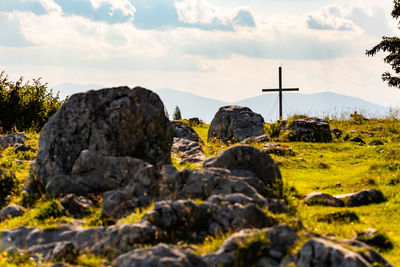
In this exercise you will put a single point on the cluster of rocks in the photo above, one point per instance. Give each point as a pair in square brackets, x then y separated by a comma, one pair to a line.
[16, 140]
[361, 198]
[116, 143]
[187, 144]
[308, 130]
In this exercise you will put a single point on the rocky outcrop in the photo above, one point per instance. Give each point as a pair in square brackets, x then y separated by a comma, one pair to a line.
[183, 131]
[186, 150]
[318, 198]
[249, 158]
[160, 255]
[76, 206]
[308, 130]
[115, 122]
[235, 124]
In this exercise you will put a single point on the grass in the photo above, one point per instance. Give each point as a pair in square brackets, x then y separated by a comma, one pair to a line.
[335, 168]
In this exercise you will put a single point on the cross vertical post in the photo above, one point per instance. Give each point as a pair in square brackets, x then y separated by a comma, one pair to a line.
[280, 90]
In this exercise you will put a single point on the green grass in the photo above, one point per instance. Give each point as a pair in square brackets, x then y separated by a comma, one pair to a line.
[334, 168]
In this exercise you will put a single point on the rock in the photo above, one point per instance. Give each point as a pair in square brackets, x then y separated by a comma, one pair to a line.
[309, 130]
[235, 123]
[357, 140]
[336, 132]
[251, 159]
[256, 140]
[11, 211]
[274, 245]
[364, 197]
[160, 255]
[21, 148]
[187, 151]
[334, 252]
[375, 238]
[115, 122]
[277, 149]
[318, 198]
[13, 139]
[76, 206]
[182, 131]
[204, 183]
[64, 251]
[376, 143]
[320, 252]
[94, 173]
[187, 220]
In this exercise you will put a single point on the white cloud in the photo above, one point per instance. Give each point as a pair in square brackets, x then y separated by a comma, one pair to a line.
[329, 18]
[124, 5]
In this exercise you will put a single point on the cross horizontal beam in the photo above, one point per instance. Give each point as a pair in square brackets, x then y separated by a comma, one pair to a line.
[277, 90]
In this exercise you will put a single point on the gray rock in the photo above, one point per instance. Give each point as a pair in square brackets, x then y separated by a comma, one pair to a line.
[252, 159]
[235, 124]
[21, 148]
[187, 151]
[278, 149]
[309, 130]
[116, 122]
[338, 133]
[160, 255]
[357, 140]
[322, 252]
[318, 198]
[361, 198]
[76, 206]
[256, 140]
[11, 211]
[94, 173]
[182, 131]
[13, 140]
[277, 242]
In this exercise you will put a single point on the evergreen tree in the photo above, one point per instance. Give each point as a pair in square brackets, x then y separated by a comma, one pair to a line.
[392, 46]
[177, 114]
[166, 113]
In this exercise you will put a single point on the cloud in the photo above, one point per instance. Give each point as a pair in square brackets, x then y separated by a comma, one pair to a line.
[11, 31]
[200, 14]
[329, 18]
[111, 11]
[33, 6]
[371, 19]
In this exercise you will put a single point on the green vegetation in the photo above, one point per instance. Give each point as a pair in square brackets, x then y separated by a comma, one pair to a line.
[335, 168]
[26, 105]
[177, 114]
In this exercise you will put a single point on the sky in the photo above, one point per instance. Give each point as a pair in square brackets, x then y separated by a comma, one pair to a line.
[223, 49]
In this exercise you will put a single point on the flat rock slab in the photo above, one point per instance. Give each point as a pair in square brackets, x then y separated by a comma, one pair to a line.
[116, 122]
[235, 124]
[361, 198]
[318, 198]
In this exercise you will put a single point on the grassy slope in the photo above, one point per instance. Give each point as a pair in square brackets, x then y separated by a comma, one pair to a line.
[338, 167]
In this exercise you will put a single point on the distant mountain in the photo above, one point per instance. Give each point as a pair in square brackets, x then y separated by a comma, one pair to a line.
[320, 104]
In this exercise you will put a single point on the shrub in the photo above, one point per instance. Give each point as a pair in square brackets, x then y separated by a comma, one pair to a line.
[25, 105]
[340, 217]
[8, 186]
[50, 209]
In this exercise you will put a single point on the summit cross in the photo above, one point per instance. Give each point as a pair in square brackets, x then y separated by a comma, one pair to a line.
[280, 90]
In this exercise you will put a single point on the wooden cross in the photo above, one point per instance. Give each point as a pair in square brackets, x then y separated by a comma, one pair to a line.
[280, 90]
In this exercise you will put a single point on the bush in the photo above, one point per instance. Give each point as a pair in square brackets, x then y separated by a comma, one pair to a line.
[8, 186]
[25, 105]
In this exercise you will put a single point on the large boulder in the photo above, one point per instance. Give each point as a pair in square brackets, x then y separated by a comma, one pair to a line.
[309, 130]
[117, 122]
[249, 158]
[235, 124]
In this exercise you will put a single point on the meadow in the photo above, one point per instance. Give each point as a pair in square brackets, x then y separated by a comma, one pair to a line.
[339, 167]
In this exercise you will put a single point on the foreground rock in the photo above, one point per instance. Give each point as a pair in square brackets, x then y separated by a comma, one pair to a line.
[269, 249]
[114, 122]
[251, 159]
[235, 124]
[160, 255]
[309, 130]
[187, 151]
